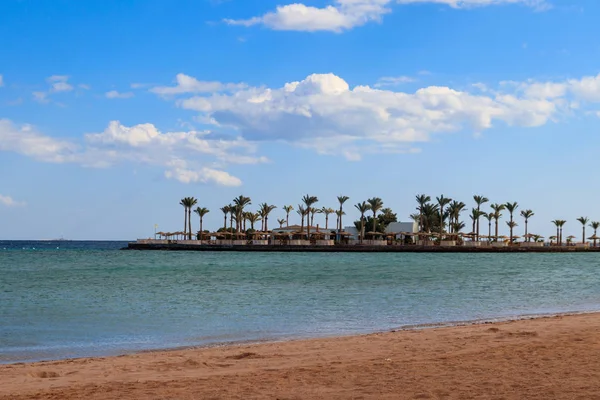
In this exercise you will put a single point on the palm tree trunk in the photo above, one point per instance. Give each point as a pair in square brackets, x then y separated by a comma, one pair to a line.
[201, 230]
[287, 219]
[489, 231]
[225, 221]
[302, 224]
[185, 220]
[496, 230]
[511, 228]
[362, 228]
[527, 237]
[477, 231]
[266, 223]
[308, 223]
[190, 223]
[374, 222]
[326, 220]
[583, 238]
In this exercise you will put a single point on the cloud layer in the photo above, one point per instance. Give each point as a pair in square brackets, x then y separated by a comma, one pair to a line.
[190, 156]
[324, 113]
[347, 14]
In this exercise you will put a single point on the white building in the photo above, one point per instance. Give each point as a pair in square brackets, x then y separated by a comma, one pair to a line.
[394, 227]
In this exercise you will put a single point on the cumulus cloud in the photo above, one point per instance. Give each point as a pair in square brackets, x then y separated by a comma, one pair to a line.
[347, 14]
[10, 202]
[188, 84]
[190, 156]
[113, 94]
[324, 113]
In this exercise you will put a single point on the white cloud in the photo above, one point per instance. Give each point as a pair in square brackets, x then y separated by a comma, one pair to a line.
[393, 81]
[58, 84]
[191, 156]
[26, 140]
[84, 86]
[347, 14]
[324, 113]
[10, 202]
[1, 80]
[187, 84]
[113, 94]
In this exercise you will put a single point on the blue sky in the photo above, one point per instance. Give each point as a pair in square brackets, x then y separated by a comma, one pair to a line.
[112, 111]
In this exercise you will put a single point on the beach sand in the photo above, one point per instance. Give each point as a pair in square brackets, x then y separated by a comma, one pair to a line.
[546, 358]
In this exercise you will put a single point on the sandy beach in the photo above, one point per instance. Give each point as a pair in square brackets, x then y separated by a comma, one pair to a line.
[545, 358]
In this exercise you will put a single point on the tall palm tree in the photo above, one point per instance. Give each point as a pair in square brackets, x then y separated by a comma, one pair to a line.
[241, 202]
[201, 213]
[422, 200]
[479, 200]
[288, 210]
[595, 225]
[474, 216]
[454, 210]
[376, 204]
[281, 221]
[188, 203]
[362, 208]
[526, 214]
[184, 203]
[497, 215]
[265, 210]
[309, 201]
[559, 227]
[442, 202]
[511, 207]
[301, 212]
[226, 210]
[342, 200]
[489, 216]
[584, 221]
[232, 212]
[327, 211]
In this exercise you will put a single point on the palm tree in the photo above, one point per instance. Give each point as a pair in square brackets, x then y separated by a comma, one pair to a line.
[188, 203]
[475, 215]
[339, 215]
[309, 201]
[511, 225]
[327, 212]
[312, 217]
[301, 212]
[241, 202]
[559, 227]
[422, 200]
[511, 207]
[479, 200]
[497, 215]
[526, 214]
[362, 208]
[442, 202]
[584, 221]
[264, 212]
[281, 221]
[288, 210]
[375, 204]
[201, 213]
[342, 200]
[226, 210]
[253, 218]
[184, 203]
[454, 210]
[595, 225]
[489, 217]
[232, 212]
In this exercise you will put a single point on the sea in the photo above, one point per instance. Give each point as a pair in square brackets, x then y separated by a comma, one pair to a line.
[69, 299]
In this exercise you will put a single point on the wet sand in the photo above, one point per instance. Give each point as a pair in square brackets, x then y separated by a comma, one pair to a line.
[546, 358]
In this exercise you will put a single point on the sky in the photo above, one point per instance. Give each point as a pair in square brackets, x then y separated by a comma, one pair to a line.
[112, 111]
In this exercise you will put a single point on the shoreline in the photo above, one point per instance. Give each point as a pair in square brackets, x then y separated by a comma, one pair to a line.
[355, 248]
[535, 358]
[296, 337]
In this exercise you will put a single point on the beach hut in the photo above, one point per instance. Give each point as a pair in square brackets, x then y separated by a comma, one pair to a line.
[594, 238]
[375, 239]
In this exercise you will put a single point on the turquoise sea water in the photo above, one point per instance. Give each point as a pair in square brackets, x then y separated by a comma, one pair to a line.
[73, 299]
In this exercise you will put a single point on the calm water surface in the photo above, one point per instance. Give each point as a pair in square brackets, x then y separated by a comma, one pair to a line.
[72, 299]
